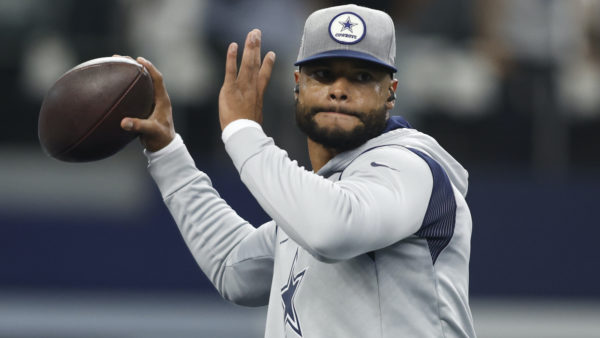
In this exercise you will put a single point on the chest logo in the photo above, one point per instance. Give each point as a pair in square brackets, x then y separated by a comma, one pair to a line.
[288, 294]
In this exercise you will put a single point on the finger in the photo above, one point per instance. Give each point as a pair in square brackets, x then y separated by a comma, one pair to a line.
[142, 126]
[161, 96]
[231, 63]
[264, 74]
[250, 57]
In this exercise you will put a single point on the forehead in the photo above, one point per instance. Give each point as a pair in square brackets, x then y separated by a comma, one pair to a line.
[345, 64]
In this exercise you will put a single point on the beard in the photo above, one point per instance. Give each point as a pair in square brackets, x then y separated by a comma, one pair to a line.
[372, 124]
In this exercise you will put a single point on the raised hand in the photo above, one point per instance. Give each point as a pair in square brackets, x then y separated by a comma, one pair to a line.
[241, 95]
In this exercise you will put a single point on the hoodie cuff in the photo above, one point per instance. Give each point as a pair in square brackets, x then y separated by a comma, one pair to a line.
[236, 126]
[172, 167]
[176, 142]
[246, 143]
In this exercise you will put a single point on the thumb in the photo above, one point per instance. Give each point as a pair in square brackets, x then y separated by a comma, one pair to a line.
[142, 126]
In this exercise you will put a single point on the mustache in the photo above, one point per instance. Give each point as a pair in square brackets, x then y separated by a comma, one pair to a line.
[315, 110]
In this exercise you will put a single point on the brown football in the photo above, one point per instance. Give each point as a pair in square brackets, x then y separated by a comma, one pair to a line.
[81, 114]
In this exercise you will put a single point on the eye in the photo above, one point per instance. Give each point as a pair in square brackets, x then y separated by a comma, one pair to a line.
[364, 77]
[322, 74]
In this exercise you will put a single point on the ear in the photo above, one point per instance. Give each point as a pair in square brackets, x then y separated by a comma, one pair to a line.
[389, 105]
[297, 81]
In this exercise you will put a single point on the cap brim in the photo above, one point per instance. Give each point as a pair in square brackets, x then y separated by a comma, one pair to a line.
[348, 54]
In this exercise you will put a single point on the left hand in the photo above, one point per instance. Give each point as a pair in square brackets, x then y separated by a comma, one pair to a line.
[158, 130]
[241, 96]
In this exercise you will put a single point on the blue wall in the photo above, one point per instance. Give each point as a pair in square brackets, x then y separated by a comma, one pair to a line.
[530, 238]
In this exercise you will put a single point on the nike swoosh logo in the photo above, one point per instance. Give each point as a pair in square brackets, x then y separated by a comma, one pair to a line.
[375, 164]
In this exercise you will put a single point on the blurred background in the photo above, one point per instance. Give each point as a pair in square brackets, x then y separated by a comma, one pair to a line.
[510, 87]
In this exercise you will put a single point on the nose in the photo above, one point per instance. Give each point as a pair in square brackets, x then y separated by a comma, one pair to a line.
[338, 91]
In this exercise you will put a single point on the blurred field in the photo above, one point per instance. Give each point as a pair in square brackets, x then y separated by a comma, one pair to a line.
[180, 315]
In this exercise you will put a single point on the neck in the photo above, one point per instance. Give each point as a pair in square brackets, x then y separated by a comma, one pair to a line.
[319, 155]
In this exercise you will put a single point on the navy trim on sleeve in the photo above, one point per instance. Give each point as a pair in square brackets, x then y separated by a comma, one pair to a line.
[440, 217]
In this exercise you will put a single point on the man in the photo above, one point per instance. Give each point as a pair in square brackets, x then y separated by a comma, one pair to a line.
[375, 242]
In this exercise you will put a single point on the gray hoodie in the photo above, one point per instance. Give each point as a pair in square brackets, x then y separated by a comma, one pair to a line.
[376, 244]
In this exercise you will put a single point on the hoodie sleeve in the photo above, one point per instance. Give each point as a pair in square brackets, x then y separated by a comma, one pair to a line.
[236, 257]
[381, 198]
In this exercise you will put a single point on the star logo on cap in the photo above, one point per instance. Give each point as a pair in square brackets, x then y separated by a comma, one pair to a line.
[347, 25]
[353, 28]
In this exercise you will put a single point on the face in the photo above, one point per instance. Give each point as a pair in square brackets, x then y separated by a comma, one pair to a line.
[342, 103]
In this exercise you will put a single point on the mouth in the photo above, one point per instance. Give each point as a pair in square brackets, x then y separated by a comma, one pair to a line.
[334, 118]
[334, 114]
[334, 111]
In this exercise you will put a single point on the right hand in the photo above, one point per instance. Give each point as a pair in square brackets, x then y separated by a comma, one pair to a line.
[157, 131]
[241, 96]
